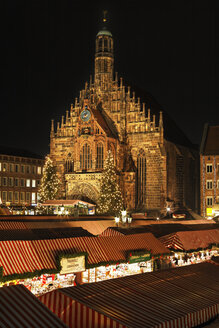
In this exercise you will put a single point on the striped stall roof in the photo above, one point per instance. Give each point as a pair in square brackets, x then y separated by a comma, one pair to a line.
[191, 240]
[18, 256]
[12, 225]
[176, 298]
[21, 309]
[116, 247]
[109, 232]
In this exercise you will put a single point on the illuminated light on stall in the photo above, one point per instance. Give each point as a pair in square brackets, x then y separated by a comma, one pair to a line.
[129, 219]
[117, 220]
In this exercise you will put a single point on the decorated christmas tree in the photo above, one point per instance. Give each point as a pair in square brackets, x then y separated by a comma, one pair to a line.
[50, 183]
[110, 200]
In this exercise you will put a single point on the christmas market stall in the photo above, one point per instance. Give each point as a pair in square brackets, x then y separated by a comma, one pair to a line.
[20, 308]
[73, 207]
[171, 298]
[192, 247]
[43, 265]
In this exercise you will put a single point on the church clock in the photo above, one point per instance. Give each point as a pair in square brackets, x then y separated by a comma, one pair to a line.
[85, 115]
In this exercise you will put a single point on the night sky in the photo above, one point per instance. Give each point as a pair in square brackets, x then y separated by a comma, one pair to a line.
[168, 48]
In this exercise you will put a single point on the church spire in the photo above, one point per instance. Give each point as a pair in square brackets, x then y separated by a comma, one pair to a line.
[104, 58]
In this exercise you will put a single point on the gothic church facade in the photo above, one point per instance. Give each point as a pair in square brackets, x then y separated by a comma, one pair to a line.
[153, 169]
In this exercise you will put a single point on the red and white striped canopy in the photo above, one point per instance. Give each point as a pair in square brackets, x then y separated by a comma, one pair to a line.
[18, 256]
[176, 298]
[21, 309]
[191, 240]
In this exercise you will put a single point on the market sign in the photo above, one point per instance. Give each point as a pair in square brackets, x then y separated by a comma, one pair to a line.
[139, 258]
[72, 264]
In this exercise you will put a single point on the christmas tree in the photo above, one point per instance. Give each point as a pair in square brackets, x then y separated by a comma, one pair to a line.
[110, 200]
[50, 183]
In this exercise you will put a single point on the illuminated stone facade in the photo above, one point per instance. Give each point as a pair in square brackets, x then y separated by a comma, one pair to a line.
[108, 116]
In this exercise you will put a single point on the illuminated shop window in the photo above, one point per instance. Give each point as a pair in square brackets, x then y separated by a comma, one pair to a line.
[209, 184]
[4, 167]
[209, 168]
[33, 198]
[28, 183]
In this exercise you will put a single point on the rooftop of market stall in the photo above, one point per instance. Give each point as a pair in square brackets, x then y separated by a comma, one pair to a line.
[20, 308]
[183, 297]
[191, 240]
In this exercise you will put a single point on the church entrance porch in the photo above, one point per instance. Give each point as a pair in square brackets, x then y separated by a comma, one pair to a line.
[83, 186]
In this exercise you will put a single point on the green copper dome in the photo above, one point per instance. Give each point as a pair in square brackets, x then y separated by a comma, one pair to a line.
[104, 32]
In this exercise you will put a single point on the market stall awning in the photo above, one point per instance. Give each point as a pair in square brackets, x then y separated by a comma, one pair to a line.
[20, 308]
[66, 202]
[191, 240]
[171, 298]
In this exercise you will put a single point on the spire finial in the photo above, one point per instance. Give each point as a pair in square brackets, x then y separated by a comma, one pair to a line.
[104, 16]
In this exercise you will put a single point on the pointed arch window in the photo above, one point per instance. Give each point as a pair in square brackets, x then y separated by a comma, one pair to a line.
[141, 178]
[99, 159]
[86, 157]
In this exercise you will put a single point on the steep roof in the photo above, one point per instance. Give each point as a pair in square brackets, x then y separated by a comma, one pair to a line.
[171, 131]
[210, 140]
[4, 150]
[104, 121]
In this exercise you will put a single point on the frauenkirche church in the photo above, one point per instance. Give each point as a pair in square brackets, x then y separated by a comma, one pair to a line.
[155, 162]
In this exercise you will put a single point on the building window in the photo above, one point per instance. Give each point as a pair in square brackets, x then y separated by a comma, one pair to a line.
[4, 196]
[209, 201]
[209, 168]
[85, 157]
[5, 180]
[39, 170]
[22, 182]
[99, 159]
[33, 183]
[34, 169]
[28, 169]
[16, 182]
[11, 167]
[217, 184]
[22, 169]
[209, 184]
[10, 182]
[27, 196]
[10, 196]
[33, 197]
[16, 168]
[5, 167]
[141, 178]
[28, 183]
[16, 196]
[22, 197]
[38, 183]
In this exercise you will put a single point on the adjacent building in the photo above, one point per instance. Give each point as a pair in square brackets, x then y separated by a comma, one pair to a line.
[20, 174]
[157, 166]
[209, 171]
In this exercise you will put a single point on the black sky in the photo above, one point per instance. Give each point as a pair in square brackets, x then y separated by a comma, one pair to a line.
[168, 48]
